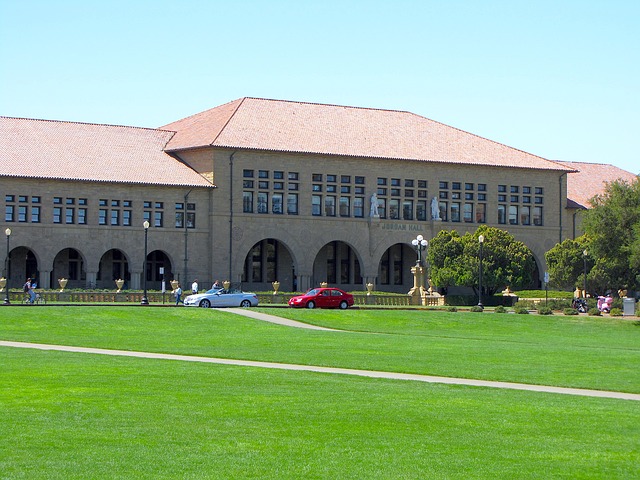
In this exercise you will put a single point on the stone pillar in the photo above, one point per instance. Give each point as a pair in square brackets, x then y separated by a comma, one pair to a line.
[44, 281]
[136, 279]
[91, 279]
[304, 282]
[418, 291]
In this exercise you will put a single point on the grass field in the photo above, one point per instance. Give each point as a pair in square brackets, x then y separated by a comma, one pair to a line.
[69, 415]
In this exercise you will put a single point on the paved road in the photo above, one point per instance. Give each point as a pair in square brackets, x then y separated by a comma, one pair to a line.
[340, 371]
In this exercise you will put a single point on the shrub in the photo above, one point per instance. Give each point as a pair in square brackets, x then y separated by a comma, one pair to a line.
[452, 309]
[559, 304]
[500, 309]
[570, 311]
[526, 304]
[521, 310]
[616, 312]
[545, 311]
[477, 309]
[594, 312]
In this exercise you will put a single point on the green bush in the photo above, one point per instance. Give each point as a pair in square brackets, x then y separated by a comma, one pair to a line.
[545, 311]
[594, 312]
[558, 304]
[500, 309]
[452, 309]
[477, 309]
[570, 311]
[526, 304]
[521, 310]
[616, 312]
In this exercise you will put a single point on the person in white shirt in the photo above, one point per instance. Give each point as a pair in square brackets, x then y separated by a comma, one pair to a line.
[194, 286]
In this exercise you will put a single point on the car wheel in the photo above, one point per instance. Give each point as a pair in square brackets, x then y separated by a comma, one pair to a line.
[245, 303]
[311, 304]
[344, 305]
[205, 303]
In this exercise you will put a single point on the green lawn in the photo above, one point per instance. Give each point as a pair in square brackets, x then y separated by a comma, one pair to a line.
[68, 415]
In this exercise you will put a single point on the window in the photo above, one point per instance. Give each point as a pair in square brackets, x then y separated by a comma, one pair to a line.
[102, 216]
[126, 217]
[276, 204]
[444, 208]
[23, 211]
[468, 212]
[331, 178]
[292, 203]
[525, 215]
[293, 176]
[514, 198]
[345, 178]
[443, 195]
[537, 216]
[408, 183]
[481, 213]
[278, 175]
[115, 217]
[35, 214]
[114, 203]
[422, 194]
[444, 185]
[247, 173]
[502, 188]
[263, 184]
[57, 214]
[482, 197]
[359, 190]
[331, 188]
[422, 184]
[468, 196]
[539, 200]
[382, 181]
[395, 192]
[502, 214]
[502, 198]
[526, 190]
[513, 215]
[157, 219]
[408, 193]
[468, 186]
[247, 202]
[381, 191]
[278, 185]
[330, 206]
[407, 210]
[395, 182]
[456, 186]
[263, 202]
[526, 199]
[359, 180]
[57, 200]
[421, 210]
[358, 207]
[482, 187]
[455, 195]
[345, 209]
[316, 205]
[179, 215]
[191, 219]
[247, 184]
[9, 198]
[515, 189]
[455, 211]
[69, 215]
[345, 189]
[158, 205]
[394, 209]
[263, 174]
[539, 191]
[316, 177]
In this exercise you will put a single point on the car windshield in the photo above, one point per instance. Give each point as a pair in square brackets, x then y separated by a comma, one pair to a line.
[311, 293]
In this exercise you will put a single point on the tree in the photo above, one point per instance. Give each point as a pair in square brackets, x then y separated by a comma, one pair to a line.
[565, 263]
[455, 260]
[613, 228]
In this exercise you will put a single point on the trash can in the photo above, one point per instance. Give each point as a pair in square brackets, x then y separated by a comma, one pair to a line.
[629, 306]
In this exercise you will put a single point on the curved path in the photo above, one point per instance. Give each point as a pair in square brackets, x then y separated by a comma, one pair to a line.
[341, 371]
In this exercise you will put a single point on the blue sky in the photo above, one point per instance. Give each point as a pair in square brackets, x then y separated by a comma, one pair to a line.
[559, 79]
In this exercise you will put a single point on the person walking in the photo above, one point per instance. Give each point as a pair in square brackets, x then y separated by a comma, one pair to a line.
[194, 286]
[178, 293]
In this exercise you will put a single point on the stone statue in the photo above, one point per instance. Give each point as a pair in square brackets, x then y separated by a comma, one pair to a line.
[435, 209]
[374, 206]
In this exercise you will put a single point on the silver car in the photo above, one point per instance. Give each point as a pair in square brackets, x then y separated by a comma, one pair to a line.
[219, 297]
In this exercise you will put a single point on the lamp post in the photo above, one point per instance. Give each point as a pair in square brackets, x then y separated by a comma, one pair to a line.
[7, 259]
[481, 241]
[419, 243]
[584, 259]
[145, 300]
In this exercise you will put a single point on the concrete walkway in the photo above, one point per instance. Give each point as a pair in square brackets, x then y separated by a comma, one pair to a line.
[265, 317]
[340, 371]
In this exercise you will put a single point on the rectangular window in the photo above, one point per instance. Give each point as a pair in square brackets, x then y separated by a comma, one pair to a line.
[332, 189]
[9, 212]
[179, 219]
[515, 189]
[422, 184]
[408, 193]
[146, 204]
[115, 217]
[9, 198]
[23, 213]
[247, 184]
[191, 219]
[293, 176]
[345, 178]
[444, 208]
[537, 216]
[513, 215]
[35, 214]
[247, 202]
[468, 186]
[482, 197]
[293, 186]
[422, 194]
[421, 210]
[345, 189]
[69, 215]
[502, 188]
[58, 200]
[539, 191]
[331, 178]
[444, 185]
[455, 211]
[57, 214]
[292, 203]
[263, 173]
[394, 209]
[146, 216]
[502, 198]
[407, 210]
[514, 198]
[278, 185]
[247, 173]
[502, 214]
[395, 192]
[276, 204]
[382, 181]
[316, 187]
[539, 200]
[114, 203]
[157, 219]
[382, 208]
[468, 196]
[525, 215]
[102, 216]
[345, 207]
[395, 182]
[316, 205]
[455, 195]
[481, 213]
[23, 198]
[278, 175]
[443, 195]
[359, 180]
[158, 205]
[482, 187]
[526, 199]
[126, 218]
[358, 207]
[456, 185]
[263, 184]
[263, 202]
[125, 203]
[526, 190]
[408, 183]
[468, 212]
[381, 191]
[330, 206]
[316, 177]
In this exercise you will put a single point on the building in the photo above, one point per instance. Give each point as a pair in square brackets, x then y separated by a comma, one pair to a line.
[261, 190]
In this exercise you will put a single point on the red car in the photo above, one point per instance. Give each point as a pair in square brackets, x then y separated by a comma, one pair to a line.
[323, 298]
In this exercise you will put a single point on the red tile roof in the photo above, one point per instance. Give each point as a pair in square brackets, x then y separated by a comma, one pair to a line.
[80, 151]
[589, 180]
[285, 126]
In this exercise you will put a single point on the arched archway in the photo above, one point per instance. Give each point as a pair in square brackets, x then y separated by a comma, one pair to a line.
[22, 263]
[267, 261]
[158, 268]
[114, 265]
[69, 263]
[394, 269]
[337, 263]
